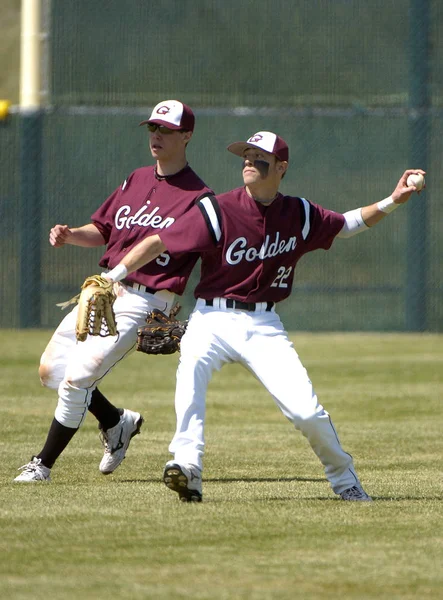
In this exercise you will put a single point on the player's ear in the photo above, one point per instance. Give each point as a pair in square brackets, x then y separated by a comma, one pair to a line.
[187, 135]
[282, 166]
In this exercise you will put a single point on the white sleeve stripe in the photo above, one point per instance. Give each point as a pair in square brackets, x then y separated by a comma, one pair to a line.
[206, 204]
[307, 225]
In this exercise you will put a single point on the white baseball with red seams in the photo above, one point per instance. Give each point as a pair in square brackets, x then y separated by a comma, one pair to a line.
[417, 180]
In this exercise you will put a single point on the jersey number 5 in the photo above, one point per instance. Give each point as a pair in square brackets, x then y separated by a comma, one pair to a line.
[163, 259]
[282, 275]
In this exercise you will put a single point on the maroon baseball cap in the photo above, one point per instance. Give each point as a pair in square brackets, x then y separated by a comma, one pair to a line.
[265, 140]
[172, 114]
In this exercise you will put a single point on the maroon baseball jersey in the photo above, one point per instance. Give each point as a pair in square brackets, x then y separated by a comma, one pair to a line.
[249, 251]
[144, 204]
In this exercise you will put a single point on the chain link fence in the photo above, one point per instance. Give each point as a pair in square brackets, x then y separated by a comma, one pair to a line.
[355, 88]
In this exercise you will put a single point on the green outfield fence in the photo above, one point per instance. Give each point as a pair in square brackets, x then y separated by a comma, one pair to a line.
[354, 86]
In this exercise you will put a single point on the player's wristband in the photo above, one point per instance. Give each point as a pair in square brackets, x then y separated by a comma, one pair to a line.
[387, 205]
[118, 273]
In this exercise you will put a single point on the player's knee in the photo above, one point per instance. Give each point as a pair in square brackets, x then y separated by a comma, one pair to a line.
[300, 421]
[307, 420]
[80, 382]
[43, 373]
[48, 376]
[84, 376]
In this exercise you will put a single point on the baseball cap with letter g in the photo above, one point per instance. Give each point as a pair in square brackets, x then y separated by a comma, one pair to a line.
[172, 114]
[265, 140]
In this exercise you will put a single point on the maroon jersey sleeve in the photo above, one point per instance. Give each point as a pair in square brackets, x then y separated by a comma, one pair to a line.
[193, 231]
[324, 225]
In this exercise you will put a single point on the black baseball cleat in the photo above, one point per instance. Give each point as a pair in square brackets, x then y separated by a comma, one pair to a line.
[355, 494]
[185, 480]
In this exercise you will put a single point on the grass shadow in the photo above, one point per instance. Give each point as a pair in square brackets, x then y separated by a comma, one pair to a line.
[232, 480]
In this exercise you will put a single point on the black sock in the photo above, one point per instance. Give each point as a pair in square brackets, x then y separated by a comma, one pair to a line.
[58, 438]
[106, 413]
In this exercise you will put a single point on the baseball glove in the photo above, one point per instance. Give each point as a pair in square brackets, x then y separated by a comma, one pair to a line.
[95, 308]
[161, 334]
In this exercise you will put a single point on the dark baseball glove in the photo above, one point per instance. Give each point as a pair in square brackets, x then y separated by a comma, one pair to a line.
[161, 334]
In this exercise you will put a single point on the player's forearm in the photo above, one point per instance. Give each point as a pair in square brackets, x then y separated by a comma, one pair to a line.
[145, 251]
[87, 236]
[374, 213]
[361, 219]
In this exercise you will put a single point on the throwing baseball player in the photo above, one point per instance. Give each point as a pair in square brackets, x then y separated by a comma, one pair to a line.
[251, 240]
[149, 200]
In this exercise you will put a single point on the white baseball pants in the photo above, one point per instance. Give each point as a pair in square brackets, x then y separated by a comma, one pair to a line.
[216, 336]
[76, 368]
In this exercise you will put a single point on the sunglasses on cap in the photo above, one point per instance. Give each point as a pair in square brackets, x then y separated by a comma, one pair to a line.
[161, 128]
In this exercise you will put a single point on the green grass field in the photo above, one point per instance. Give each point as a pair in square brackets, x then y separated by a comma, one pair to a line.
[269, 526]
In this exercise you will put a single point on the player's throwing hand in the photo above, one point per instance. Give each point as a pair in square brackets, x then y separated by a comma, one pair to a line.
[403, 191]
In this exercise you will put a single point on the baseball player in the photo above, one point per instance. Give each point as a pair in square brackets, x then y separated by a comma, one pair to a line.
[251, 240]
[149, 200]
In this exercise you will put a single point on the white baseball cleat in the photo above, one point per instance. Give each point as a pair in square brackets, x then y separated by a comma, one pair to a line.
[355, 494]
[33, 471]
[186, 480]
[116, 440]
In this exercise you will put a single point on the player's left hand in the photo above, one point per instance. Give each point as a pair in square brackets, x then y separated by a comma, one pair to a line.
[95, 308]
[403, 191]
[162, 334]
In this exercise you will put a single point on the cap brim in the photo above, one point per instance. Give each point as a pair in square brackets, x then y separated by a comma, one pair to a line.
[160, 122]
[239, 147]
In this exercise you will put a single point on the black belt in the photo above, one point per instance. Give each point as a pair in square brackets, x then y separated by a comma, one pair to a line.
[239, 305]
[138, 286]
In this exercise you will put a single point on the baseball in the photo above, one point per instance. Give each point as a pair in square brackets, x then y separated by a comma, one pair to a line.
[417, 180]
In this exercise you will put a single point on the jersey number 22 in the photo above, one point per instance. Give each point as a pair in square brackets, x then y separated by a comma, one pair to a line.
[282, 275]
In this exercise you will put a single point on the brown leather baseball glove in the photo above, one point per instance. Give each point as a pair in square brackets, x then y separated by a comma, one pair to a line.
[161, 334]
[95, 308]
